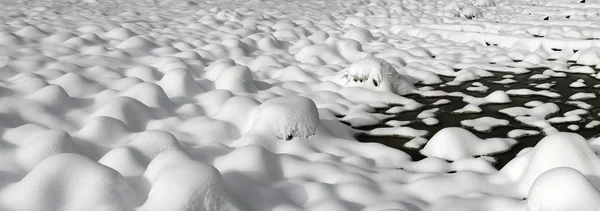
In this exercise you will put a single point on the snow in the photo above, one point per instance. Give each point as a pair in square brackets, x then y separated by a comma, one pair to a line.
[484, 123]
[518, 133]
[592, 124]
[582, 96]
[563, 188]
[469, 108]
[258, 105]
[457, 143]
[376, 74]
[575, 153]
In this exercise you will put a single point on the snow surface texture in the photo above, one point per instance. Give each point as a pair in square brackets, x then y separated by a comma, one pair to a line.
[236, 105]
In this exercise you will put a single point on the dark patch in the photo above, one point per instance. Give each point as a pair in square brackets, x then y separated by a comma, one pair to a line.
[451, 172]
[556, 49]
[575, 51]
[582, 1]
[449, 119]
[568, 16]
[375, 82]
[547, 18]
[289, 137]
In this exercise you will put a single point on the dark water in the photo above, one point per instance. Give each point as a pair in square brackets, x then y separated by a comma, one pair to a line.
[449, 119]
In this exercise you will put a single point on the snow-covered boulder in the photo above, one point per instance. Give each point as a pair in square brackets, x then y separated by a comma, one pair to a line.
[376, 74]
[285, 118]
[471, 12]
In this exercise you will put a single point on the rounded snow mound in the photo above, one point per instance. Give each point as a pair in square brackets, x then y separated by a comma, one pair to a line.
[10, 39]
[68, 182]
[150, 143]
[376, 74]
[455, 143]
[76, 85]
[149, 94]
[38, 147]
[52, 96]
[589, 57]
[172, 189]
[179, 82]
[145, 73]
[31, 31]
[236, 79]
[359, 34]
[137, 42]
[120, 33]
[286, 117]
[132, 112]
[563, 188]
[484, 3]
[553, 151]
[104, 131]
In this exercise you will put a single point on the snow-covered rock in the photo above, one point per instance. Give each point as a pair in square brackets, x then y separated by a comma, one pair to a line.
[376, 74]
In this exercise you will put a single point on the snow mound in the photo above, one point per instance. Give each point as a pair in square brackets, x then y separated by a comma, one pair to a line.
[179, 82]
[484, 123]
[588, 57]
[485, 3]
[39, 146]
[52, 96]
[285, 118]
[172, 189]
[150, 143]
[563, 188]
[376, 74]
[145, 73]
[454, 143]
[149, 94]
[132, 112]
[104, 131]
[76, 85]
[31, 31]
[236, 79]
[574, 151]
[138, 43]
[120, 33]
[86, 184]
